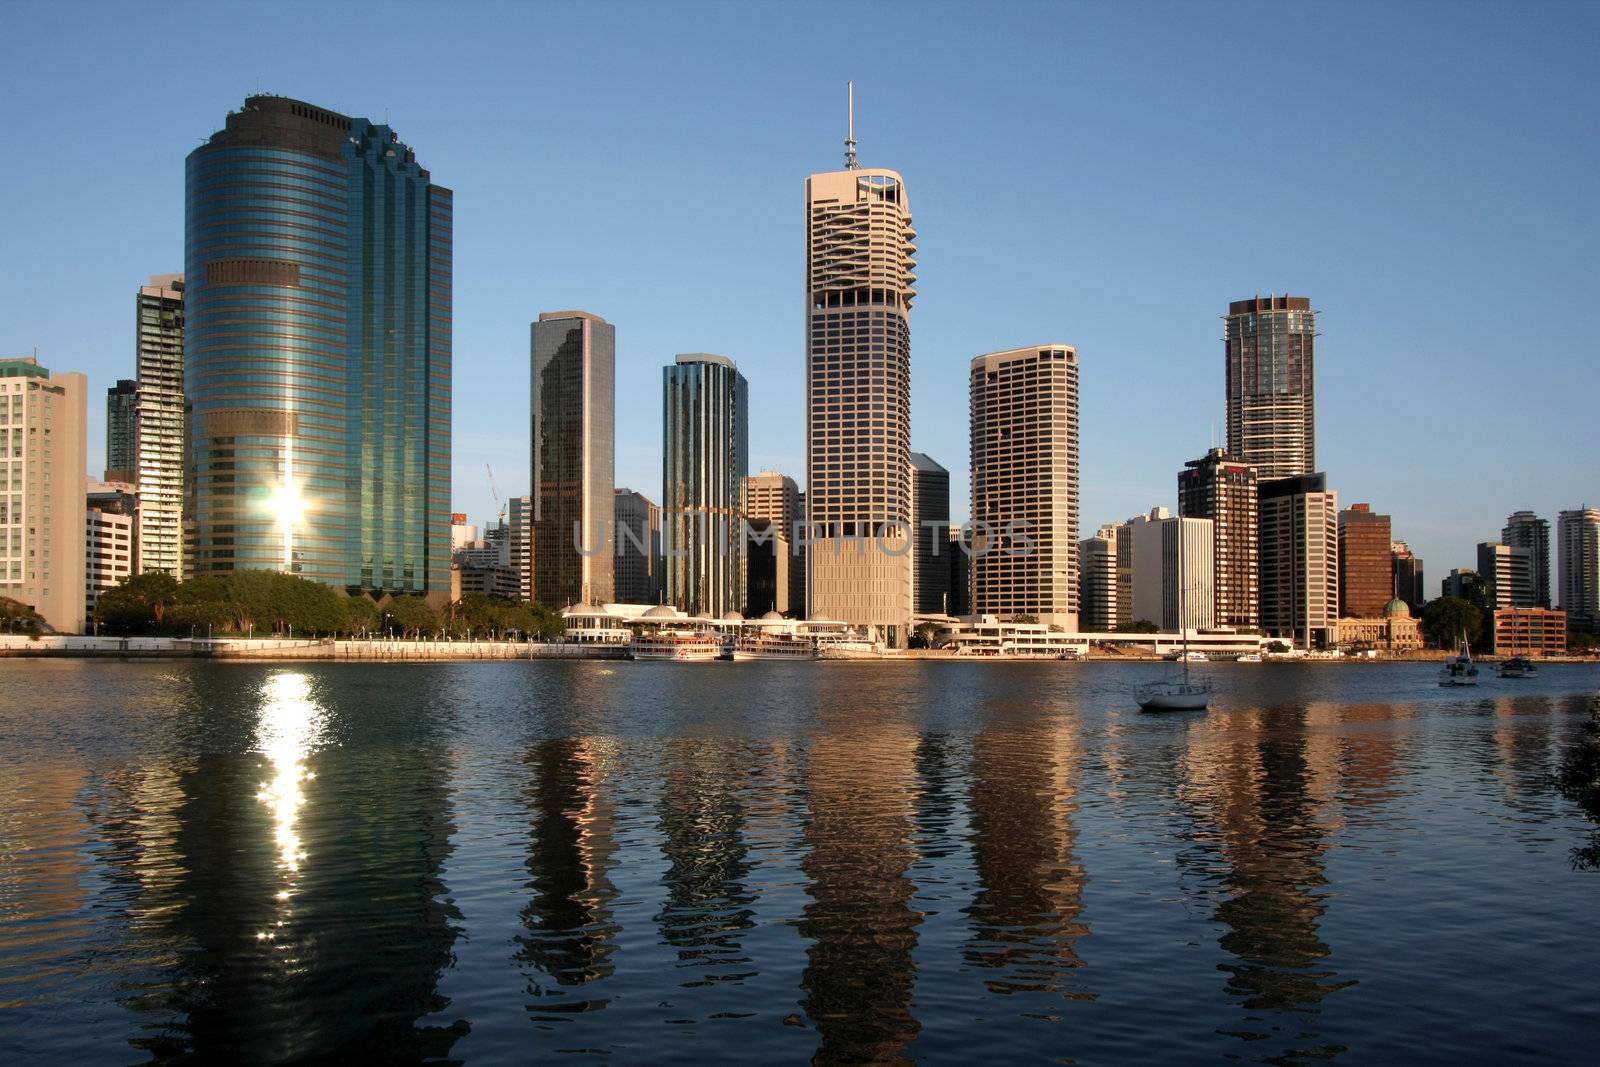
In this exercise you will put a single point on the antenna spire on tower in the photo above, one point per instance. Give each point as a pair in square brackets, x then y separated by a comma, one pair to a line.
[850, 130]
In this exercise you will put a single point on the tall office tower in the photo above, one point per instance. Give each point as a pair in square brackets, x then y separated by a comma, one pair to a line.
[317, 304]
[704, 462]
[1299, 555]
[860, 263]
[1173, 571]
[766, 561]
[960, 573]
[1507, 575]
[1123, 539]
[112, 549]
[1465, 585]
[637, 549]
[159, 439]
[1366, 568]
[122, 402]
[519, 543]
[1524, 529]
[1407, 575]
[774, 498]
[574, 458]
[1223, 490]
[930, 524]
[42, 452]
[1097, 580]
[1270, 346]
[1578, 566]
[1025, 475]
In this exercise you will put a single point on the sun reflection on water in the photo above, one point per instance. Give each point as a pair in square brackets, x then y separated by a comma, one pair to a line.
[290, 722]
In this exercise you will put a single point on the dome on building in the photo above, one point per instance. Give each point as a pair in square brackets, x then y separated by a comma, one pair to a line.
[660, 611]
[772, 616]
[732, 616]
[1397, 607]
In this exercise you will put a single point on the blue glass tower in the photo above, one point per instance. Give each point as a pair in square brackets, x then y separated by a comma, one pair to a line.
[704, 460]
[317, 340]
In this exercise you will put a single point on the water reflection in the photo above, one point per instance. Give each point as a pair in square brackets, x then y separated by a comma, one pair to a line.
[1259, 782]
[569, 930]
[859, 972]
[290, 721]
[1025, 917]
[702, 821]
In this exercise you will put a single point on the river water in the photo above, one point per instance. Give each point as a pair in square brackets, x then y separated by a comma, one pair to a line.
[779, 862]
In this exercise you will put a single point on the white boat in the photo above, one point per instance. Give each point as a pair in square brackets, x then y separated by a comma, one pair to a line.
[1177, 694]
[1459, 669]
[775, 646]
[849, 648]
[1249, 657]
[1190, 657]
[676, 646]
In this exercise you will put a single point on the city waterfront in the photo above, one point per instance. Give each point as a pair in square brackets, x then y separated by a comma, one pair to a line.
[775, 862]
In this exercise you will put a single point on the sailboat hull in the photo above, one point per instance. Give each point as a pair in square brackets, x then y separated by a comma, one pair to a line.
[1173, 698]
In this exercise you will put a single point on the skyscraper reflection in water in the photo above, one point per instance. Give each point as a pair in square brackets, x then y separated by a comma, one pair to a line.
[570, 933]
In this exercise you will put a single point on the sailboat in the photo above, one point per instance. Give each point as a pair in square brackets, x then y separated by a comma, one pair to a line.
[1459, 668]
[1174, 694]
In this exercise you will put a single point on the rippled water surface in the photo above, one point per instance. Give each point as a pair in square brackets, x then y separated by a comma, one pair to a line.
[946, 862]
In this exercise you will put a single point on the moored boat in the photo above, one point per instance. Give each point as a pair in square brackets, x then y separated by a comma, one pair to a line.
[1459, 668]
[1517, 667]
[775, 646]
[676, 646]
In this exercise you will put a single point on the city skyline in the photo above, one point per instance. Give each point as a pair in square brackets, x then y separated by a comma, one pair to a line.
[1175, 346]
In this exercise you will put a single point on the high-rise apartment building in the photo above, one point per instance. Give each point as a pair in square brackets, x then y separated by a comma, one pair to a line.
[42, 506]
[1300, 559]
[1025, 483]
[1097, 581]
[317, 352]
[1578, 566]
[1223, 489]
[1524, 529]
[704, 462]
[1270, 362]
[1507, 575]
[774, 498]
[1366, 566]
[1173, 571]
[122, 402]
[519, 543]
[637, 549]
[1407, 575]
[574, 356]
[860, 281]
[159, 436]
[930, 523]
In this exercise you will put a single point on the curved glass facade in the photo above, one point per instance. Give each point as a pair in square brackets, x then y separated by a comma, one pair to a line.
[318, 352]
[704, 461]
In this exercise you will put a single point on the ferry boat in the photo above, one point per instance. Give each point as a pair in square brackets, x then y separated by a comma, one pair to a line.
[1249, 657]
[677, 646]
[849, 648]
[1190, 657]
[774, 646]
[1517, 667]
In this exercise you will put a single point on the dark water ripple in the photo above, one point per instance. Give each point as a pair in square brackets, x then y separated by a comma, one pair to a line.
[844, 863]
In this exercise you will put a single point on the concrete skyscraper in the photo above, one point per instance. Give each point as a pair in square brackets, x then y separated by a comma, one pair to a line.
[705, 405]
[860, 263]
[1408, 573]
[1025, 480]
[317, 352]
[1366, 564]
[1270, 361]
[1300, 559]
[1224, 490]
[42, 519]
[1524, 529]
[637, 552]
[1507, 574]
[774, 498]
[1173, 571]
[159, 439]
[1578, 566]
[930, 524]
[573, 442]
[1097, 580]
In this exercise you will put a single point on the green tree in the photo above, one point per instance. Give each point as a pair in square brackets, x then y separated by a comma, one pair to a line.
[549, 623]
[1450, 618]
[138, 605]
[17, 617]
[1278, 648]
[1142, 626]
[360, 615]
[411, 615]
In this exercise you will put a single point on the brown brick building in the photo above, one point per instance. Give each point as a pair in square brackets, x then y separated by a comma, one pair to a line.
[1530, 632]
[1366, 567]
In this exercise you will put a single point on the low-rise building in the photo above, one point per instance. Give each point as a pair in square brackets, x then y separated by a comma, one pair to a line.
[1396, 630]
[1530, 632]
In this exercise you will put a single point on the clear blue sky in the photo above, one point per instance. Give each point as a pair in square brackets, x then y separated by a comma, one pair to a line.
[1105, 175]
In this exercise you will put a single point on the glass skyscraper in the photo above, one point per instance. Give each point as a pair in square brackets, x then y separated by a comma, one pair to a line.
[317, 346]
[1270, 345]
[705, 457]
[122, 402]
[159, 440]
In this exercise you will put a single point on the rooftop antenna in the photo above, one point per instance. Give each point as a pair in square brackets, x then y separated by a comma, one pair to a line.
[850, 135]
